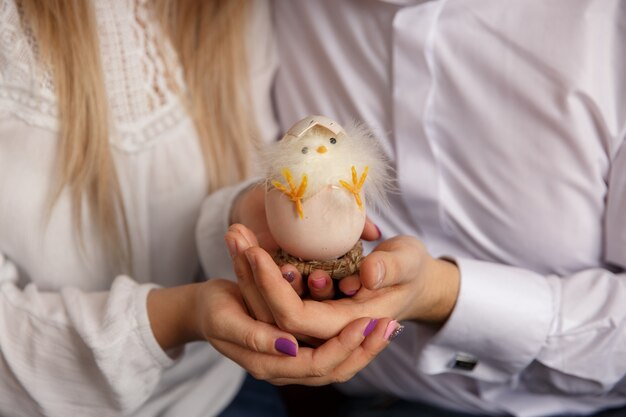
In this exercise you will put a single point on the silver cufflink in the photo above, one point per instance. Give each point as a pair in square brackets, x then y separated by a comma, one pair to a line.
[464, 362]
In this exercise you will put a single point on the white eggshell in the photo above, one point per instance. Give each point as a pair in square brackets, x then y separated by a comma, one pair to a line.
[331, 226]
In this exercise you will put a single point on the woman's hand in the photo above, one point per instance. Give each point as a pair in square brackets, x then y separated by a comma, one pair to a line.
[249, 210]
[214, 311]
[400, 279]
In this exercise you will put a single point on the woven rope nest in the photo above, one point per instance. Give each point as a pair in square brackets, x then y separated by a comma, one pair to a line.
[338, 268]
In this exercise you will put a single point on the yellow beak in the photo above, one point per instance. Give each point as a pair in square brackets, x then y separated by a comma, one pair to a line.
[321, 149]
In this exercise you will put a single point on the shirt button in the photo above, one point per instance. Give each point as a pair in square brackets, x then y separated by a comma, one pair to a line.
[464, 362]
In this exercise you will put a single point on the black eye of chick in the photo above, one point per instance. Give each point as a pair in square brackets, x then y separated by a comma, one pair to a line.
[305, 150]
[333, 140]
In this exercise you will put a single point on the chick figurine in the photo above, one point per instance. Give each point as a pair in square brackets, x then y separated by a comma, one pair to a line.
[319, 177]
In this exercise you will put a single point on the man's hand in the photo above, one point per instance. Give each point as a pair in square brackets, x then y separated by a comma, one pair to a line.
[400, 279]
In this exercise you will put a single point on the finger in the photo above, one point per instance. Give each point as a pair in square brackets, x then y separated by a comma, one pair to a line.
[261, 337]
[317, 366]
[253, 298]
[259, 365]
[375, 340]
[234, 326]
[275, 290]
[245, 233]
[336, 350]
[393, 262]
[350, 285]
[308, 317]
[236, 238]
[314, 366]
[370, 231]
[294, 277]
[320, 285]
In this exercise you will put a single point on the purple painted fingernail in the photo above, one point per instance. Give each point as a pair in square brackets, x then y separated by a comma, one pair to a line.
[350, 293]
[370, 326]
[319, 283]
[289, 276]
[286, 346]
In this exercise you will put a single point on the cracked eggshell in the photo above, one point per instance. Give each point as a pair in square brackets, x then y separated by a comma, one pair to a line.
[331, 226]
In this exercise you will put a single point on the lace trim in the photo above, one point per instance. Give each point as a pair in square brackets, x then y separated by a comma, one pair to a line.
[141, 70]
[130, 137]
[138, 138]
[137, 65]
[35, 110]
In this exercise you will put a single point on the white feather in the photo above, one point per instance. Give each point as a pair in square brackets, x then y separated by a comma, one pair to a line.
[357, 147]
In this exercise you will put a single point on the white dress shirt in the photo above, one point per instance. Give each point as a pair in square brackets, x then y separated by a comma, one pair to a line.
[75, 340]
[505, 121]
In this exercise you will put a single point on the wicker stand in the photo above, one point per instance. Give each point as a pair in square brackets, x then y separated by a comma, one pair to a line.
[338, 268]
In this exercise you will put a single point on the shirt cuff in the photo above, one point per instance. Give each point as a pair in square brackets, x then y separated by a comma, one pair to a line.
[145, 330]
[501, 320]
[212, 226]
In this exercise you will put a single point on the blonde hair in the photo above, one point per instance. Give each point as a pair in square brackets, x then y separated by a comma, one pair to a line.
[209, 38]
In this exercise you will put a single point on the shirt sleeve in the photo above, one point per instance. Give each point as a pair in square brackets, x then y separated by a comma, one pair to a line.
[571, 327]
[76, 353]
[212, 226]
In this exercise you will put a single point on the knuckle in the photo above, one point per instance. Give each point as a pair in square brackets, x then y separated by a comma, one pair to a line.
[346, 343]
[286, 322]
[368, 355]
[319, 371]
[251, 340]
[236, 228]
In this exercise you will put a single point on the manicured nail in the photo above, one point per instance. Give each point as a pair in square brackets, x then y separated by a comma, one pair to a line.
[393, 330]
[370, 326]
[380, 274]
[350, 293]
[286, 346]
[232, 247]
[251, 259]
[289, 276]
[319, 283]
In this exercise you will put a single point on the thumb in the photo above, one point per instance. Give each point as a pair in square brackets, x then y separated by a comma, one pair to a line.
[393, 262]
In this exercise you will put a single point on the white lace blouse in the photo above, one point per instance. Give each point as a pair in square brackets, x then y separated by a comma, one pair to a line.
[74, 338]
